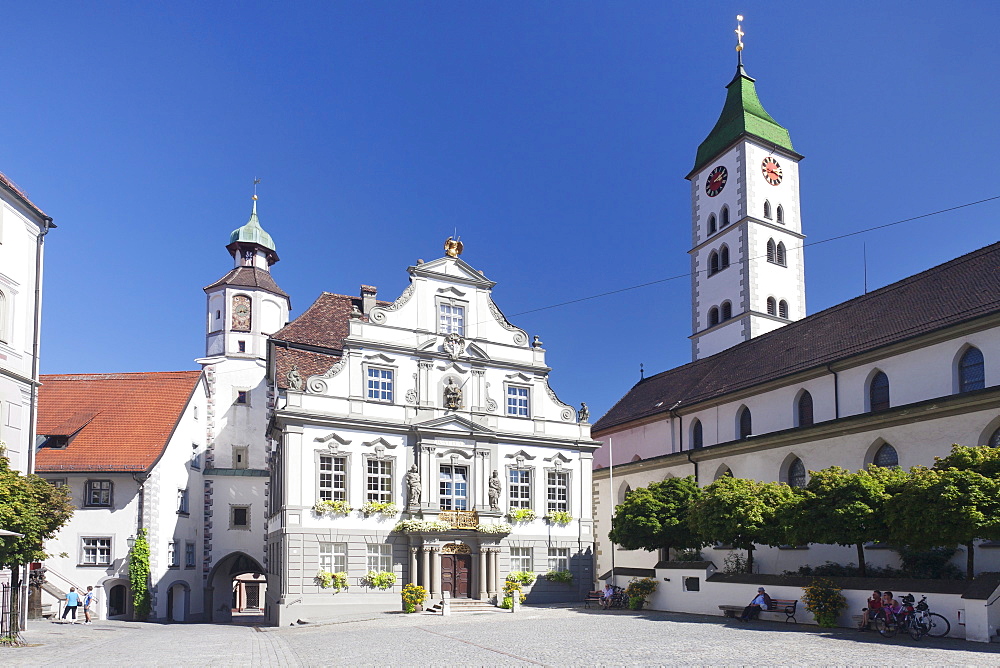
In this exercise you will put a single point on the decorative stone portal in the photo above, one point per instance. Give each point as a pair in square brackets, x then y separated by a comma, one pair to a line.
[456, 574]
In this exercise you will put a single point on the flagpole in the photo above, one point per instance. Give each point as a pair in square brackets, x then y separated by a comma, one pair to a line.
[611, 484]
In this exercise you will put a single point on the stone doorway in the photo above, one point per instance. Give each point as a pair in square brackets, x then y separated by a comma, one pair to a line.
[456, 575]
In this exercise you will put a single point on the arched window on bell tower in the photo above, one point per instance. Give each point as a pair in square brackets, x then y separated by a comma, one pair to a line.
[767, 209]
[712, 224]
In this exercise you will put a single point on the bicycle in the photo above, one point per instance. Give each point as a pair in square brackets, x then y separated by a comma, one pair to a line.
[937, 626]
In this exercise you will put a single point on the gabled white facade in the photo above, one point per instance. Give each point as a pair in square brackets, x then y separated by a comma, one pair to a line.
[22, 231]
[385, 407]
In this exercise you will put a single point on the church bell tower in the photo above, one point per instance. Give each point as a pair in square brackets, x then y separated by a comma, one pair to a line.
[747, 275]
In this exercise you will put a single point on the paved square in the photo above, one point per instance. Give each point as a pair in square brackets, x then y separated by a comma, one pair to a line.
[552, 636]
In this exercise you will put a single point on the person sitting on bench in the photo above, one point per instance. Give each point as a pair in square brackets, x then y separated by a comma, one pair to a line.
[759, 602]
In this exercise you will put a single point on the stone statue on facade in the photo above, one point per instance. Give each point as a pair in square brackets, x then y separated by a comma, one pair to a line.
[294, 378]
[413, 487]
[584, 413]
[452, 395]
[495, 491]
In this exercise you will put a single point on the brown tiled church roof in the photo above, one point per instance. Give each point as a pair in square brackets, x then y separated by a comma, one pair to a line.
[316, 337]
[963, 289]
[249, 277]
[113, 421]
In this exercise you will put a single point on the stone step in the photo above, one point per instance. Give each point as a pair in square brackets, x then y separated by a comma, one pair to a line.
[463, 605]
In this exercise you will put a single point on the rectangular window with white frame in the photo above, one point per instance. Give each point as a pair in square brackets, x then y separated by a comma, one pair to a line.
[333, 557]
[332, 478]
[452, 319]
[519, 488]
[520, 559]
[557, 491]
[558, 558]
[517, 401]
[379, 480]
[95, 551]
[380, 558]
[380, 384]
[182, 502]
[189, 554]
[454, 487]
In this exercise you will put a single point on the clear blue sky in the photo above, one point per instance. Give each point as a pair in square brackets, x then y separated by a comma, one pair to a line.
[554, 135]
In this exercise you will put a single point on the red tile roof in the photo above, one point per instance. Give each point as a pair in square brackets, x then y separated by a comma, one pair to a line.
[115, 421]
[322, 329]
[13, 187]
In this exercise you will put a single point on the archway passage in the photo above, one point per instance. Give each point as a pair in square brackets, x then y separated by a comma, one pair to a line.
[116, 601]
[235, 591]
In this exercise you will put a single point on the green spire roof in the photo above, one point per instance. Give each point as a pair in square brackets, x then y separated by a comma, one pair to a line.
[742, 114]
[252, 232]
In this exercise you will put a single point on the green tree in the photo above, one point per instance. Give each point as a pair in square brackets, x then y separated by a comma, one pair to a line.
[138, 575]
[843, 508]
[32, 507]
[742, 512]
[982, 459]
[655, 517]
[945, 507]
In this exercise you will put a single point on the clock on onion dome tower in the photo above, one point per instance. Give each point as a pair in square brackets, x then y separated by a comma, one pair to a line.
[747, 271]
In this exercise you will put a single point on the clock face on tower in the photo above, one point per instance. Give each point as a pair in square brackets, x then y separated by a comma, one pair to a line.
[716, 181]
[771, 171]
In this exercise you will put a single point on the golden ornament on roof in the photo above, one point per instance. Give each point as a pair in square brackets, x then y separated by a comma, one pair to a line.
[452, 247]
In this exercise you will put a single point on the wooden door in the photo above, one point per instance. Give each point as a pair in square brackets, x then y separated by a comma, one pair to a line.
[456, 574]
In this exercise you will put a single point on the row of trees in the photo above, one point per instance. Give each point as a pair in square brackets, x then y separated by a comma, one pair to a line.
[32, 507]
[955, 502]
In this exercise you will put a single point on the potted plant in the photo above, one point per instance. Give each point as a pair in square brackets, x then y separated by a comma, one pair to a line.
[413, 598]
[383, 508]
[825, 600]
[558, 517]
[638, 590]
[512, 588]
[560, 576]
[328, 580]
[380, 579]
[521, 514]
[336, 507]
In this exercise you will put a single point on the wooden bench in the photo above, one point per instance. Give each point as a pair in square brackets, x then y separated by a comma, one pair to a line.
[779, 606]
[593, 597]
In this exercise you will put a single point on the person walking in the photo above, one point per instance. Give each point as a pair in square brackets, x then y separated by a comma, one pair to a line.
[88, 600]
[72, 603]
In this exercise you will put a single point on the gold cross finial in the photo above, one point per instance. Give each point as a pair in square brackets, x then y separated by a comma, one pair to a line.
[255, 182]
[739, 32]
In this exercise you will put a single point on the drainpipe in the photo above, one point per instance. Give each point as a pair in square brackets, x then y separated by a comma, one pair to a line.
[33, 411]
[36, 339]
[836, 391]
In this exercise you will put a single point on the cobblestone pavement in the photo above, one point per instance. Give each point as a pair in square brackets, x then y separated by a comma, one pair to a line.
[553, 636]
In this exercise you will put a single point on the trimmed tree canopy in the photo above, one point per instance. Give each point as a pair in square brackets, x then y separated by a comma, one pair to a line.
[655, 517]
[31, 506]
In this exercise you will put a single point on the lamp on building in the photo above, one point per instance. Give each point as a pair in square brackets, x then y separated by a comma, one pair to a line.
[131, 542]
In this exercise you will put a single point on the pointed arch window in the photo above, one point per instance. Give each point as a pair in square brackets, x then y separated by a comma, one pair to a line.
[971, 371]
[783, 309]
[805, 409]
[712, 225]
[994, 441]
[878, 392]
[727, 311]
[771, 251]
[767, 209]
[723, 472]
[886, 457]
[723, 257]
[725, 216]
[713, 316]
[779, 256]
[780, 215]
[697, 435]
[796, 473]
[713, 263]
[746, 423]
